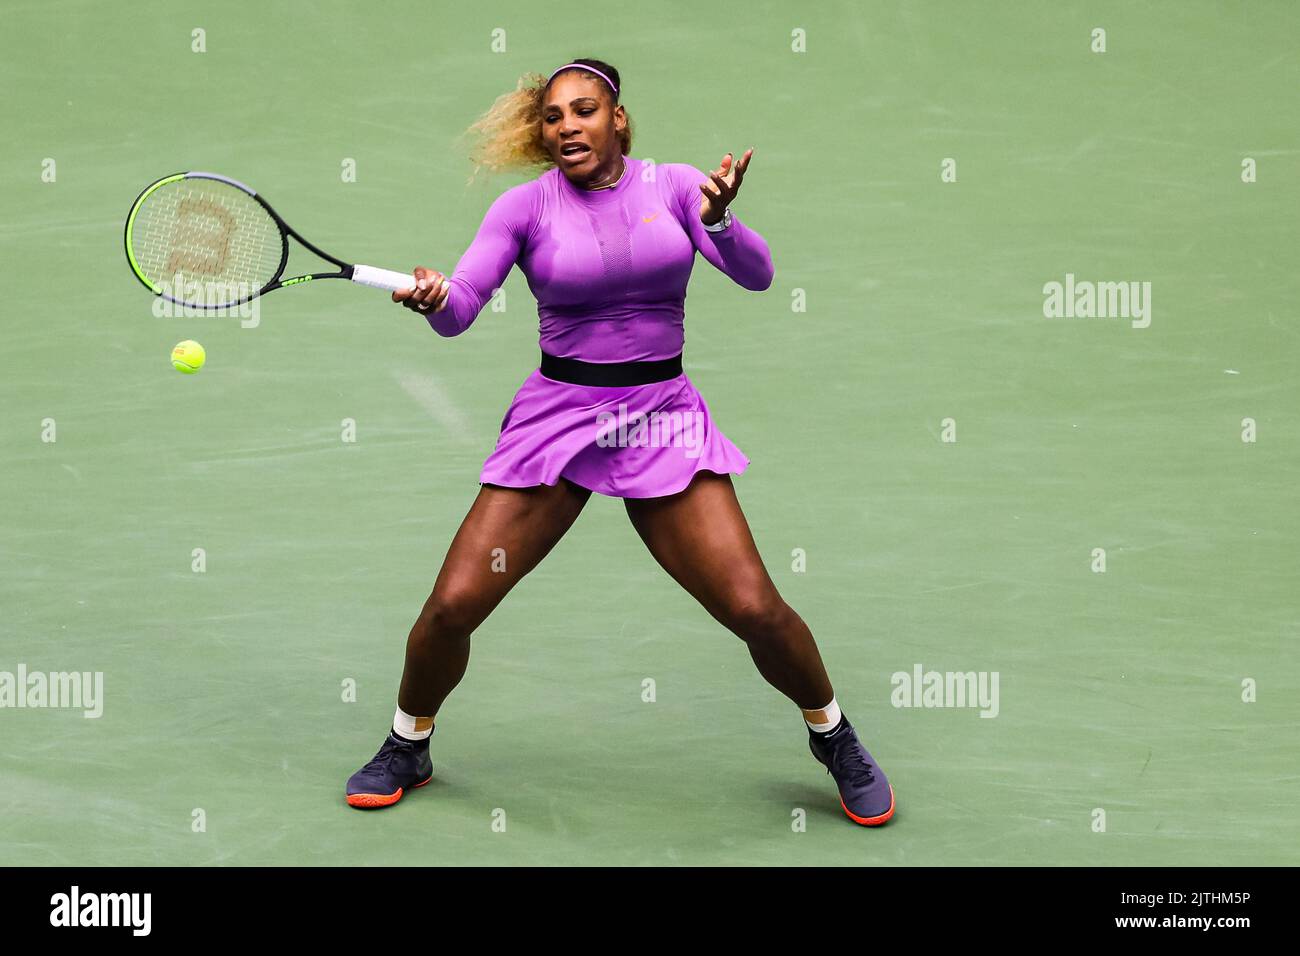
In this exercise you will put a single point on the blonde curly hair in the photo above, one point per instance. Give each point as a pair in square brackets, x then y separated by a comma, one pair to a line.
[509, 134]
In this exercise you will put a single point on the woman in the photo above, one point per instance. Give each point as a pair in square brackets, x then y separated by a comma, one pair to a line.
[607, 243]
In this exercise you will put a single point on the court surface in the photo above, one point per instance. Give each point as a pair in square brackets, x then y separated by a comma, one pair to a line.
[900, 301]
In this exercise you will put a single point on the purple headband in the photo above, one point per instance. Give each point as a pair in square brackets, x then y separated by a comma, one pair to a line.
[590, 69]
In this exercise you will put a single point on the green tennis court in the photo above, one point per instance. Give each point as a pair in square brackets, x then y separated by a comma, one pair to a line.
[921, 172]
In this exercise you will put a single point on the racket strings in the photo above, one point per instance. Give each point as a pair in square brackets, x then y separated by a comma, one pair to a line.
[206, 242]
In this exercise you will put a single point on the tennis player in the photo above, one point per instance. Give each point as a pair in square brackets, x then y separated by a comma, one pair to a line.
[607, 243]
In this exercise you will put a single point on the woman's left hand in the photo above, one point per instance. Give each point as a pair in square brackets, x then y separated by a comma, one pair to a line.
[721, 190]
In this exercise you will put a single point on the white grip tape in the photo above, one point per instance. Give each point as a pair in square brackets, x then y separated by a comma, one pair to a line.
[383, 278]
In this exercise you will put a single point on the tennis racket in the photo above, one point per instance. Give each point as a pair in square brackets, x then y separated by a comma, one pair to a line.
[210, 242]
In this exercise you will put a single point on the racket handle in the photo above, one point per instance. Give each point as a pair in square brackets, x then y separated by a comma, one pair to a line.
[383, 278]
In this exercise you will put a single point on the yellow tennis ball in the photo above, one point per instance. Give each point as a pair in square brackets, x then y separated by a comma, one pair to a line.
[188, 357]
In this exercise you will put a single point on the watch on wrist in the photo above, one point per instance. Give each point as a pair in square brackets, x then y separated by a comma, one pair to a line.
[721, 224]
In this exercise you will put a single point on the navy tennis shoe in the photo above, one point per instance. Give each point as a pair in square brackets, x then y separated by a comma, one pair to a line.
[399, 766]
[865, 794]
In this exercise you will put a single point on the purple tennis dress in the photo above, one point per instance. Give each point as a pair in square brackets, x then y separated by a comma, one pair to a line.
[609, 270]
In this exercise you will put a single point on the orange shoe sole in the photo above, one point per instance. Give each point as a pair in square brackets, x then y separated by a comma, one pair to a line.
[871, 821]
[373, 801]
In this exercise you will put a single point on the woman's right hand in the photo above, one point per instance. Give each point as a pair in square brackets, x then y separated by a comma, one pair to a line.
[428, 294]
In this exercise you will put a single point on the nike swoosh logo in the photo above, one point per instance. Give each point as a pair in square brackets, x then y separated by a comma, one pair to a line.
[651, 219]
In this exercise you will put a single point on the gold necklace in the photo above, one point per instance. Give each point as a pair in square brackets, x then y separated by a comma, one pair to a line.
[614, 183]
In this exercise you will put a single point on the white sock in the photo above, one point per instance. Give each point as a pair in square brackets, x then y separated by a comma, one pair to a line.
[412, 728]
[823, 719]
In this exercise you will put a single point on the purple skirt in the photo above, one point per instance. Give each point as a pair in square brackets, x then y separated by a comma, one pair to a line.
[638, 441]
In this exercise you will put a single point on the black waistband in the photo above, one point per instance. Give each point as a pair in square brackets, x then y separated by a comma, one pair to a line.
[577, 372]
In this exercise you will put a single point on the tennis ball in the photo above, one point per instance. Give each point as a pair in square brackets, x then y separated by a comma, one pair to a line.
[188, 357]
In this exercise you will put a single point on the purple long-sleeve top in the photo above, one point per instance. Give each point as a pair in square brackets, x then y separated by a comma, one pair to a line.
[608, 267]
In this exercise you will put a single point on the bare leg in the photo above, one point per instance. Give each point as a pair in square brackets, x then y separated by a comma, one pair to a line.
[525, 523]
[702, 540]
